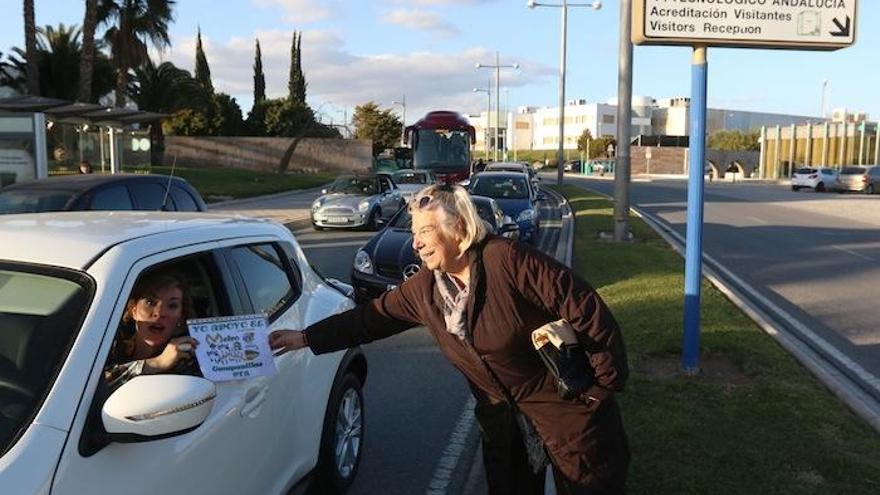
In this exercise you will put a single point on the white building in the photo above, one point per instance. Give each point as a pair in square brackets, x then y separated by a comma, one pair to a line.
[538, 128]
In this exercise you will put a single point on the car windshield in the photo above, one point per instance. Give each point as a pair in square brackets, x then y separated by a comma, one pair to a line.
[827, 171]
[442, 149]
[500, 187]
[354, 185]
[410, 178]
[852, 171]
[805, 171]
[403, 220]
[29, 201]
[41, 311]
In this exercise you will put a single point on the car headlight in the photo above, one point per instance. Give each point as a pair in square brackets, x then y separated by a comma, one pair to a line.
[362, 262]
[364, 205]
[317, 204]
[526, 216]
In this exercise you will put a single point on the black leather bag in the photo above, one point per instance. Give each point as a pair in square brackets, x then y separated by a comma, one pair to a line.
[565, 357]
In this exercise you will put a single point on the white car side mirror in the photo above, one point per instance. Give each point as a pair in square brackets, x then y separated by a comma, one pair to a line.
[157, 406]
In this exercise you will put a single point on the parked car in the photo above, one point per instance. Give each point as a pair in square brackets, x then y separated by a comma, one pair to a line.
[411, 181]
[356, 201]
[571, 165]
[65, 283]
[817, 179]
[516, 196]
[859, 179]
[101, 192]
[388, 258]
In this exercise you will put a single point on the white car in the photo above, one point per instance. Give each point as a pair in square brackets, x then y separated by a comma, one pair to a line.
[817, 179]
[410, 181]
[64, 282]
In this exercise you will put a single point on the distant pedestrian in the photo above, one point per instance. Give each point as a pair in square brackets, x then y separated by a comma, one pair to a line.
[85, 167]
[481, 296]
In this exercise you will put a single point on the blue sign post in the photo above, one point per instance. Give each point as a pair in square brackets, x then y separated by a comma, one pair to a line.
[690, 356]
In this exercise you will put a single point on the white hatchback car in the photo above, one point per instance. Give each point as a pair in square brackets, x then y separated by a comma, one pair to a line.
[817, 179]
[64, 282]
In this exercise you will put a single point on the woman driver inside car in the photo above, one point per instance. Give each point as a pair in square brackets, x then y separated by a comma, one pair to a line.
[152, 336]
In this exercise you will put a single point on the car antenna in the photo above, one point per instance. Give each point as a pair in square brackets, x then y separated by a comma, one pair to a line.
[168, 186]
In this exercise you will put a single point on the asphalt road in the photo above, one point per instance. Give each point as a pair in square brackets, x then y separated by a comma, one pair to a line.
[420, 433]
[815, 255]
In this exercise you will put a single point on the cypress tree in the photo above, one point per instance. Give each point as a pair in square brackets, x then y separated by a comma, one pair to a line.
[202, 72]
[292, 77]
[301, 80]
[259, 78]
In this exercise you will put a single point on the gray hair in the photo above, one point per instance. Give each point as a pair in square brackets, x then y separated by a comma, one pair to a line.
[459, 216]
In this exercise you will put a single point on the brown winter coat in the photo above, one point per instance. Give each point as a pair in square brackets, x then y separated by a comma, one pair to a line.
[514, 289]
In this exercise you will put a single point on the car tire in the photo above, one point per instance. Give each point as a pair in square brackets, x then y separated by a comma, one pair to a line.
[345, 416]
[794, 188]
[869, 189]
[820, 187]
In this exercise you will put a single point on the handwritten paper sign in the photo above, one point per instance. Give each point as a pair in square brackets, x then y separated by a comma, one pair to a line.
[233, 347]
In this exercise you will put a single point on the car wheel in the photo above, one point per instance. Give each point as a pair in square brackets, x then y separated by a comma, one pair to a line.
[794, 188]
[820, 187]
[869, 189]
[342, 438]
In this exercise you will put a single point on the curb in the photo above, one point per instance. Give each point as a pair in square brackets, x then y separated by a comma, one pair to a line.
[241, 201]
[861, 395]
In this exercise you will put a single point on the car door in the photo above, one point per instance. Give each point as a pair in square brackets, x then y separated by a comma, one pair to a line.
[222, 455]
[390, 201]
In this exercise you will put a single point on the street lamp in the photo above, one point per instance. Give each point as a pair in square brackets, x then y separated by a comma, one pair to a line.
[402, 103]
[564, 7]
[497, 66]
[488, 92]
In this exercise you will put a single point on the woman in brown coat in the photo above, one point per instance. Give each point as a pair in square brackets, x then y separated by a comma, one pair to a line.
[481, 296]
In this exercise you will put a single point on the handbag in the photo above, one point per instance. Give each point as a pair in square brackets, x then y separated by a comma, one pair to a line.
[565, 357]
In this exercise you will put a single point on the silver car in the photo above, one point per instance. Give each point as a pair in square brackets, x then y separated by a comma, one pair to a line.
[356, 201]
[859, 179]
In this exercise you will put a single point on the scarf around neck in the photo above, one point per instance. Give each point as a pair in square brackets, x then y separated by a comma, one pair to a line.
[454, 303]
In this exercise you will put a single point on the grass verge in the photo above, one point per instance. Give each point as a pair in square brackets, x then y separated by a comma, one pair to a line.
[755, 421]
[218, 183]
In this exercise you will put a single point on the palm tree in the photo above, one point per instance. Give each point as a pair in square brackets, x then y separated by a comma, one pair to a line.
[87, 60]
[134, 21]
[163, 89]
[58, 55]
[30, 43]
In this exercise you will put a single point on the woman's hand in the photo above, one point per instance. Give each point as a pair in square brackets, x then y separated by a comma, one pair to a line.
[177, 350]
[286, 340]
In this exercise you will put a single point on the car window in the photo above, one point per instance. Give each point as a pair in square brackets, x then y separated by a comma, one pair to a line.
[827, 171]
[353, 185]
[112, 198]
[265, 276]
[41, 312]
[147, 195]
[852, 171]
[183, 201]
[28, 201]
[805, 171]
[501, 187]
[484, 210]
[410, 178]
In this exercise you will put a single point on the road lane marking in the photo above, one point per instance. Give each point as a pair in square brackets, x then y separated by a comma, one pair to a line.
[448, 461]
[850, 251]
[757, 220]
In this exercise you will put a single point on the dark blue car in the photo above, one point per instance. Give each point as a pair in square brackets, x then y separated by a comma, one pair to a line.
[514, 193]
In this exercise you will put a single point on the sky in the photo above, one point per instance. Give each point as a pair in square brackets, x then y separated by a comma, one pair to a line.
[355, 51]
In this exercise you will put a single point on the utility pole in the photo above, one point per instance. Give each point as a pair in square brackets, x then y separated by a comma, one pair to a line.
[624, 117]
[488, 91]
[497, 66]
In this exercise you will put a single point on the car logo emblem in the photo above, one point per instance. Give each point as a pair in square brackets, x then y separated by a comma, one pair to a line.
[410, 270]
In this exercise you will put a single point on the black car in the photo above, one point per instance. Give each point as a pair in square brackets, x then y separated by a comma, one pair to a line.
[101, 192]
[388, 258]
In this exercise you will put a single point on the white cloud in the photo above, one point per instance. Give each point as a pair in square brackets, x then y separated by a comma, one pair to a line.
[303, 11]
[420, 19]
[338, 79]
